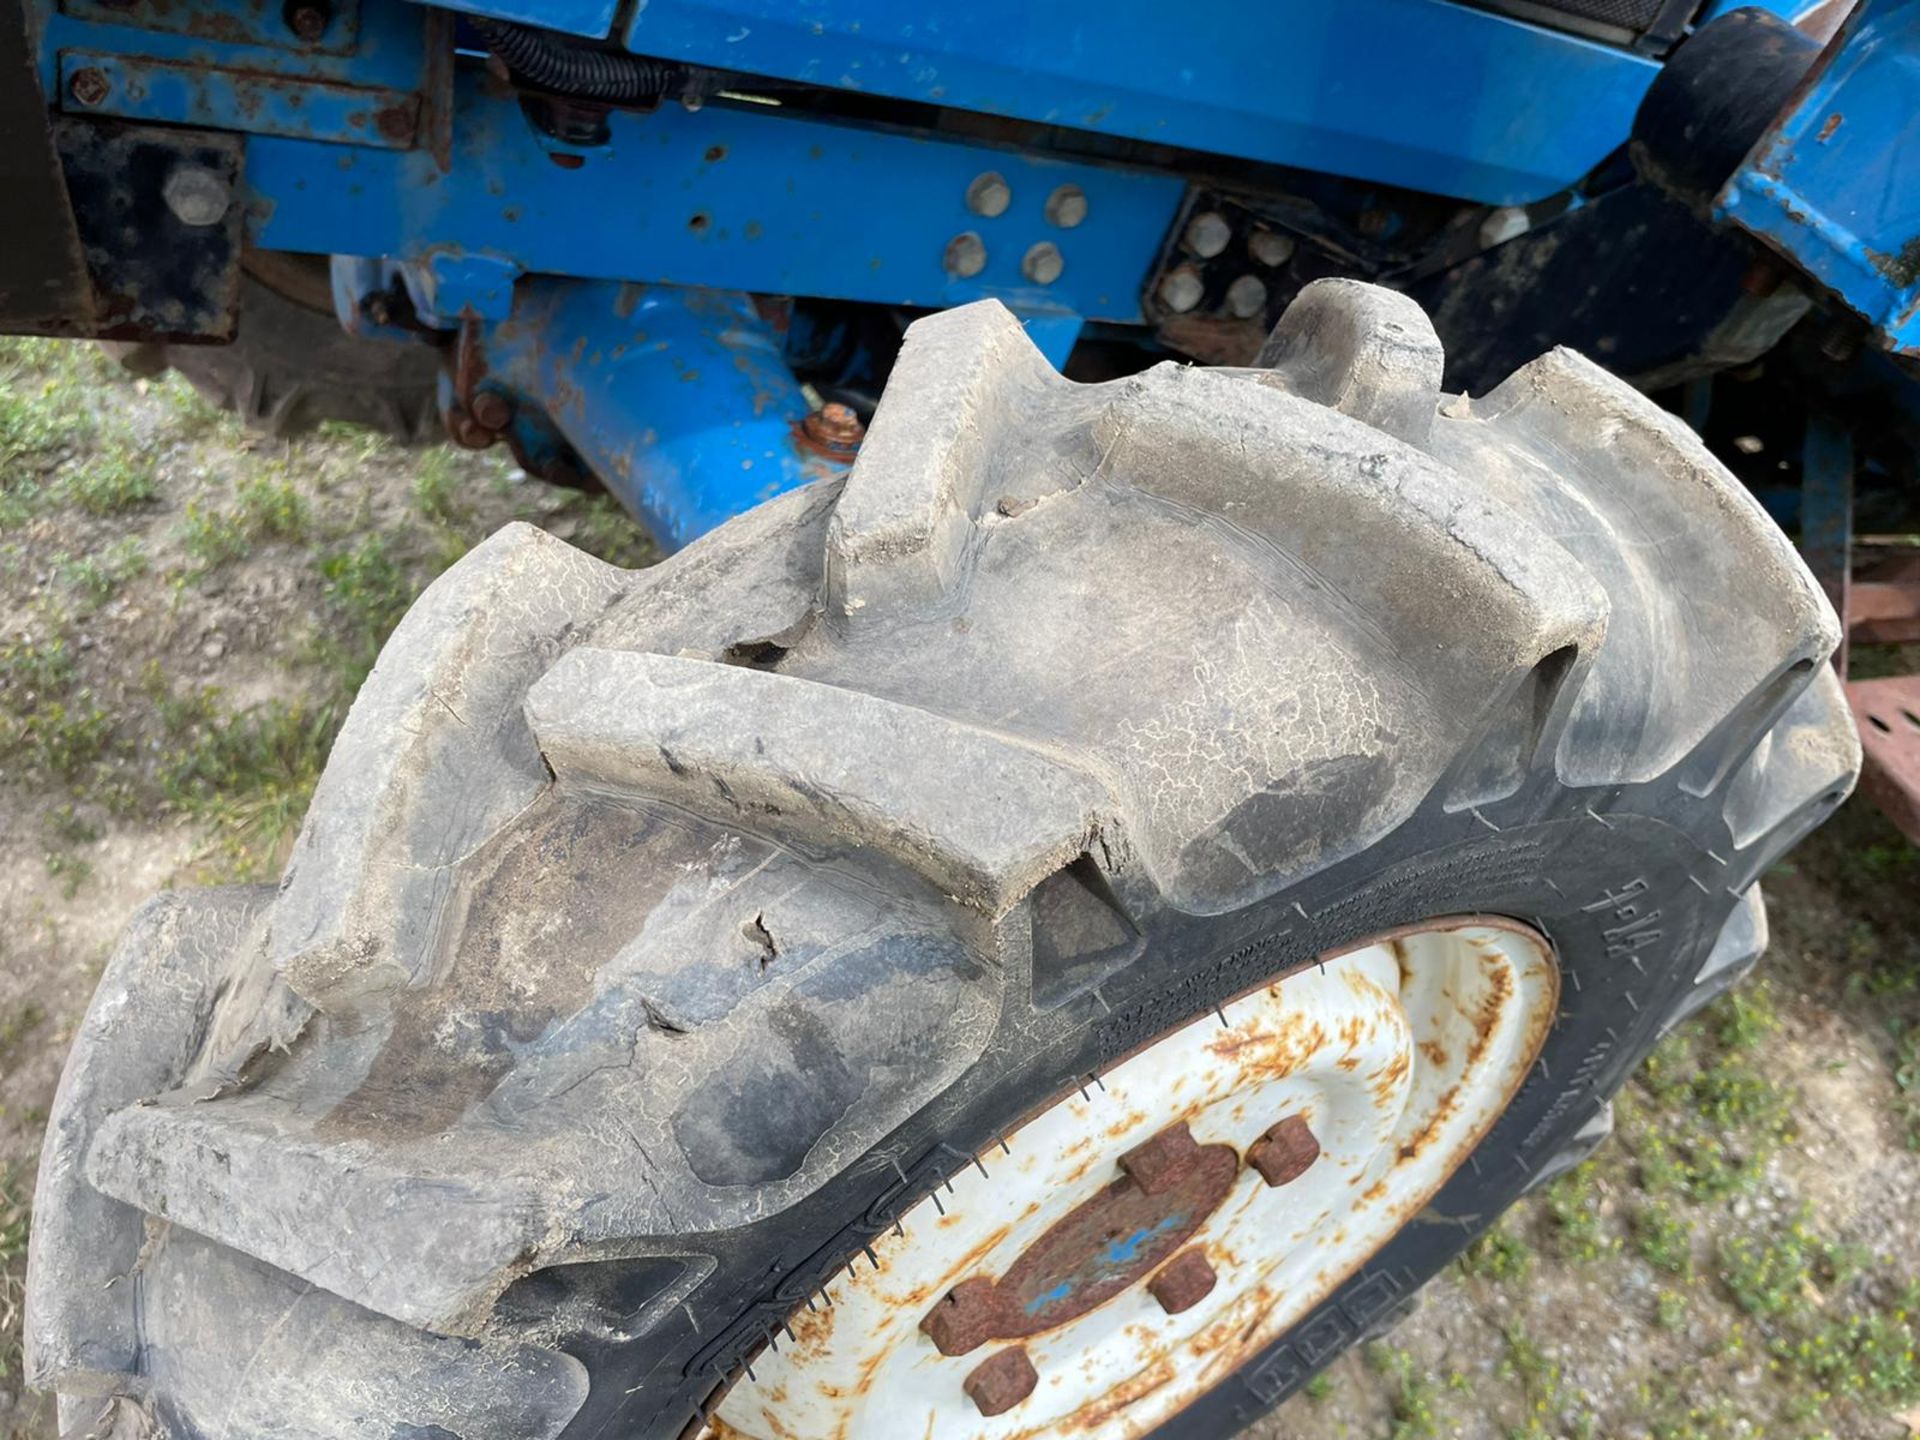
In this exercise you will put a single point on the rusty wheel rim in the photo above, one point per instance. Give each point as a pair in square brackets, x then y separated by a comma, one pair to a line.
[1110, 1266]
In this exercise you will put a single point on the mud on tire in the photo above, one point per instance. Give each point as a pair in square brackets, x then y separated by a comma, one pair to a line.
[657, 940]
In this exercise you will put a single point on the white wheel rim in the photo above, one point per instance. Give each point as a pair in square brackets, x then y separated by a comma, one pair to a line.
[1400, 1054]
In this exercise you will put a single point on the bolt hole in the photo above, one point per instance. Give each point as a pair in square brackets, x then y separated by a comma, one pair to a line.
[699, 221]
[716, 153]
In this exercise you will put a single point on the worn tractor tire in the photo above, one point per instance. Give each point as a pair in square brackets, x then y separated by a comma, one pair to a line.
[291, 367]
[661, 945]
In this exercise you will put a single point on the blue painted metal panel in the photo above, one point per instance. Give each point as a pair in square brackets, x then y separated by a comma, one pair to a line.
[1420, 93]
[235, 65]
[191, 93]
[739, 199]
[570, 17]
[1835, 185]
[679, 400]
[1785, 9]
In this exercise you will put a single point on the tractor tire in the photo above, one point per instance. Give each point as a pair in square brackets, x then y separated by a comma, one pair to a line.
[292, 367]
[816, 983]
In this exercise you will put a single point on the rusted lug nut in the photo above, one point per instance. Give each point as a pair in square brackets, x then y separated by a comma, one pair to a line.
[1161, 1163]
[1183, 1282]
[965, 1319]
[1284, 1153]
[835, 425]
[1001, 1382]
[492, 410]
[89, 86]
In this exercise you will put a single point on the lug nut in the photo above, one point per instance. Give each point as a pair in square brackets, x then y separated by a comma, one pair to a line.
[89, 86]
[1159, 1164]
[989, 194]
[966, 255]
[1181, 289]
[1001, 1382]
[1285, 1152]
[1270, 248]
[196, 195]
[966, 1317]
[1043, 263]
[1183, 1282]
[1246, 297]
[1066, 206]
[1208, 234]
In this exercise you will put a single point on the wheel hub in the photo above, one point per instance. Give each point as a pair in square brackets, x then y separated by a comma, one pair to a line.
[1140, 1240]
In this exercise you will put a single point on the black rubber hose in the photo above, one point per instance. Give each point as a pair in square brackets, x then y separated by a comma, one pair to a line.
[550, 62]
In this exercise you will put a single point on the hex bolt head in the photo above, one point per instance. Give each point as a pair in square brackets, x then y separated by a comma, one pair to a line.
[1207, 234]
[966, 255]
[1043, 263]
[1181, 289]
[1286, 1152]
[989, 194]
[196, 195]
[835, 425]
[1183, 1282]
[1066, 206]
[1159, 1164]
[89, 86]
[308, 19]
[966, 1317]
[492, 410]
[1246, 297]
[1270, 248]
[1000, 1382]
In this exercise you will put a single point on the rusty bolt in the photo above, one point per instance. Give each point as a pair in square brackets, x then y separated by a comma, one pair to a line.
[965, 1319]
[1285, 1152]
[1159, 1164]
[1001, 1382]
[966, 255]
[1208, 233]
[989, 194]
[1043, 263]
[1066, 206]
[492, 410]
[89, 86]
[835, 426]
[1183, 1282]
[467, 432]
[308, 19]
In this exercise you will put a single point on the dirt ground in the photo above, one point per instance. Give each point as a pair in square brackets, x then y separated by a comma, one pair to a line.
[185, 612]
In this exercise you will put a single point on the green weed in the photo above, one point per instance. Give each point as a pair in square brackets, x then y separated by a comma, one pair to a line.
[248, 777]
[109, 483]
[1573, 1203]
[1499, 1255]
[1663, 1239]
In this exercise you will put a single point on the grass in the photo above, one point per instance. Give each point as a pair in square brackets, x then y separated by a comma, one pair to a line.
[247, 776]
[1499, 1255]
[14, 1220]
[266, 509]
